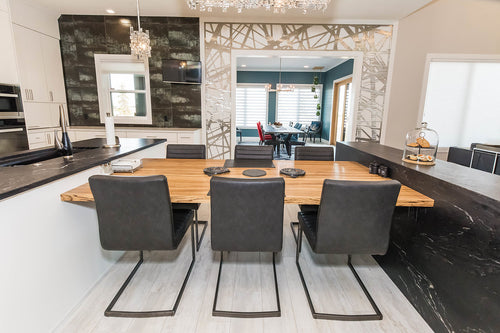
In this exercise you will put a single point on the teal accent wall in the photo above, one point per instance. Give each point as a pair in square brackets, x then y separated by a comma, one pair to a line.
[273, 78]
[333, 74]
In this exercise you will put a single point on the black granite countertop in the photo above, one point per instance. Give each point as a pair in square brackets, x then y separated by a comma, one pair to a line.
[471, 179]
[20, 178]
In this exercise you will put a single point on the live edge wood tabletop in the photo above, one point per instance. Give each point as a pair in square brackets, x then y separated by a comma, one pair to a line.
[188, 183]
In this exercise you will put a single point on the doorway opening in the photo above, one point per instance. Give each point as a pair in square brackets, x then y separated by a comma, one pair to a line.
[342, 103]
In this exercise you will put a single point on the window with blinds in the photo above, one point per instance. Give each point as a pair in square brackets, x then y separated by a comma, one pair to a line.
[251, 105]
[298, 105]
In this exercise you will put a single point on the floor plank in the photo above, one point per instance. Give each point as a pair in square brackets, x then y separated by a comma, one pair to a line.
[247, 284]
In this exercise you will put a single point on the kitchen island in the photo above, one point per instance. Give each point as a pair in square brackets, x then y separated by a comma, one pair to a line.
[52, 251]
[446, 260]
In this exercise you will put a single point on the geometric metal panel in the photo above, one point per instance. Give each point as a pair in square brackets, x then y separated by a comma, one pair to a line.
[221, 38]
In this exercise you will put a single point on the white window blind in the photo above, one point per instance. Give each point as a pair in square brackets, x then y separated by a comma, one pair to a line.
[298, 105]
[251, 105]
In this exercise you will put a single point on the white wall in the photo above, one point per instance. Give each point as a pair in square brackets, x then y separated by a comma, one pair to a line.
[444, 26]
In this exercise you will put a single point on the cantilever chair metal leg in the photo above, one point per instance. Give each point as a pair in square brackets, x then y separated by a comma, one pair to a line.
[241, 314]
[145, 314]
[317, 315]
[199, 239]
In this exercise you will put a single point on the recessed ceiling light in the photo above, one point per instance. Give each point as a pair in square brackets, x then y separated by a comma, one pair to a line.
[306, 66]
[110, 11]
[243, 65]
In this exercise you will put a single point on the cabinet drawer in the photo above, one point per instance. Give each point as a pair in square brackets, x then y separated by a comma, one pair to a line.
[185, 137]
[35, 138]
[170, 136]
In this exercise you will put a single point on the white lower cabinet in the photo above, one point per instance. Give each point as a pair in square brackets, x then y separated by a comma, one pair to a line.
[41, 138]
[172, 136]
[41, 115]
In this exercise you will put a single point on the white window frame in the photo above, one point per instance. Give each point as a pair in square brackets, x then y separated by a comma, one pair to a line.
[242, 85]
[320, 99]
[104, 90]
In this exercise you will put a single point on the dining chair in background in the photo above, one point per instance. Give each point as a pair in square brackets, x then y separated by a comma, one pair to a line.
[354, 217]
[253, 152]
[311, 153]
[251, 221]
[189, 151]
[135, 214]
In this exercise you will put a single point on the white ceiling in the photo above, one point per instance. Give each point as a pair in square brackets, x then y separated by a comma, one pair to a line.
[288, 63]
[340, 11]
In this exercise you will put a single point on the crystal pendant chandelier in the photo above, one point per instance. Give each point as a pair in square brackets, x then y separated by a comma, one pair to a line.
[139, 40]
[278, 6]
[280, 87]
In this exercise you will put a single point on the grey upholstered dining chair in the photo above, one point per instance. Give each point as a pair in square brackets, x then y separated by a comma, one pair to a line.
[311, 153]
[135, 214]
[253, 152]
[189, 151]
[354, 217]
[186, 151]
[251, 221]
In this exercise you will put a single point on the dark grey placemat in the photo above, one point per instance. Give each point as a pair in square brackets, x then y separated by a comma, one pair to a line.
[241, 163]
[254, 173]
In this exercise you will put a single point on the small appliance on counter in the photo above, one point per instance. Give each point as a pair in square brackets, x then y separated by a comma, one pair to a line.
[421, 146]
[126, 165]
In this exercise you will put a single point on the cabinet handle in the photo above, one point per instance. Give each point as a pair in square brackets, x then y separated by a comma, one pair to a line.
[51, 96]
[26, 93]
[31, 94]
[151, 136]
[48, 137]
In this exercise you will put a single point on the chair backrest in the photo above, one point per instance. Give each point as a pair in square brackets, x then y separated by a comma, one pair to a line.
[308, 153]
[259, 130]
[252, 220]
[186, 151]
[253, 152]
[355, 217]
[315, 126]
[297, 125]
[134, 213]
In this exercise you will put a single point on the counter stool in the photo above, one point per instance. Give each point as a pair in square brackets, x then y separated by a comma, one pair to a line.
[135, 214]
[185, 151]
[354, 217]
[251, 221]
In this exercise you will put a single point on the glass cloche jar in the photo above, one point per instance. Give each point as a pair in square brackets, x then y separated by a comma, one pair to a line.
[421, 146]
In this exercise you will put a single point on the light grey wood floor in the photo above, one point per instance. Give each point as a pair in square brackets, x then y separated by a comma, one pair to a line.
[246, 285]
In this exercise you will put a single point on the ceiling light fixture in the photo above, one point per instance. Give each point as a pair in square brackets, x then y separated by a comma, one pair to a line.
[243, 65]
[278, 6]
[306, 66]
[279, 86]
[140, 45]
[110, 11]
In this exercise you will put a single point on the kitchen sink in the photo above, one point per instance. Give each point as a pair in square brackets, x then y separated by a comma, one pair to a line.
[35, 156]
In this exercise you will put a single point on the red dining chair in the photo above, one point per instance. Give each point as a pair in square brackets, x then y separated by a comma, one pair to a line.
[263, 137]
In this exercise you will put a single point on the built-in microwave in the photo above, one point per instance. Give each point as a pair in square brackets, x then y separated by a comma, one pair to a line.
[11, 106]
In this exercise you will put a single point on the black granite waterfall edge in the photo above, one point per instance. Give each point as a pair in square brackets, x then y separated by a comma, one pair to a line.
[447, 260]
[17, 179]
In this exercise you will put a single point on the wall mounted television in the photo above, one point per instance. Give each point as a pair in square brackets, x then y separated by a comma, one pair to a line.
[181, 71]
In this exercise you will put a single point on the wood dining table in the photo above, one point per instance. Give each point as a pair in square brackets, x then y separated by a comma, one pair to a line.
[189, 184]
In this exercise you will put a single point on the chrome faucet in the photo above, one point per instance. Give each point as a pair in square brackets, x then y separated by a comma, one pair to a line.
[63, 145]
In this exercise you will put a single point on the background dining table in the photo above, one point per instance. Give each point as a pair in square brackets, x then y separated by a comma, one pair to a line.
[283, 130]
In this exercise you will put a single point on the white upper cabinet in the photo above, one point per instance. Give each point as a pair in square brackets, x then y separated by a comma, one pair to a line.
[53, 69]
[8, 68]
[40, 66]
[31, 66]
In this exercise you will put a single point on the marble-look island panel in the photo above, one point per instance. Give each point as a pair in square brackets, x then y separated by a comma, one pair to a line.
[20, 178]
[446, 259]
